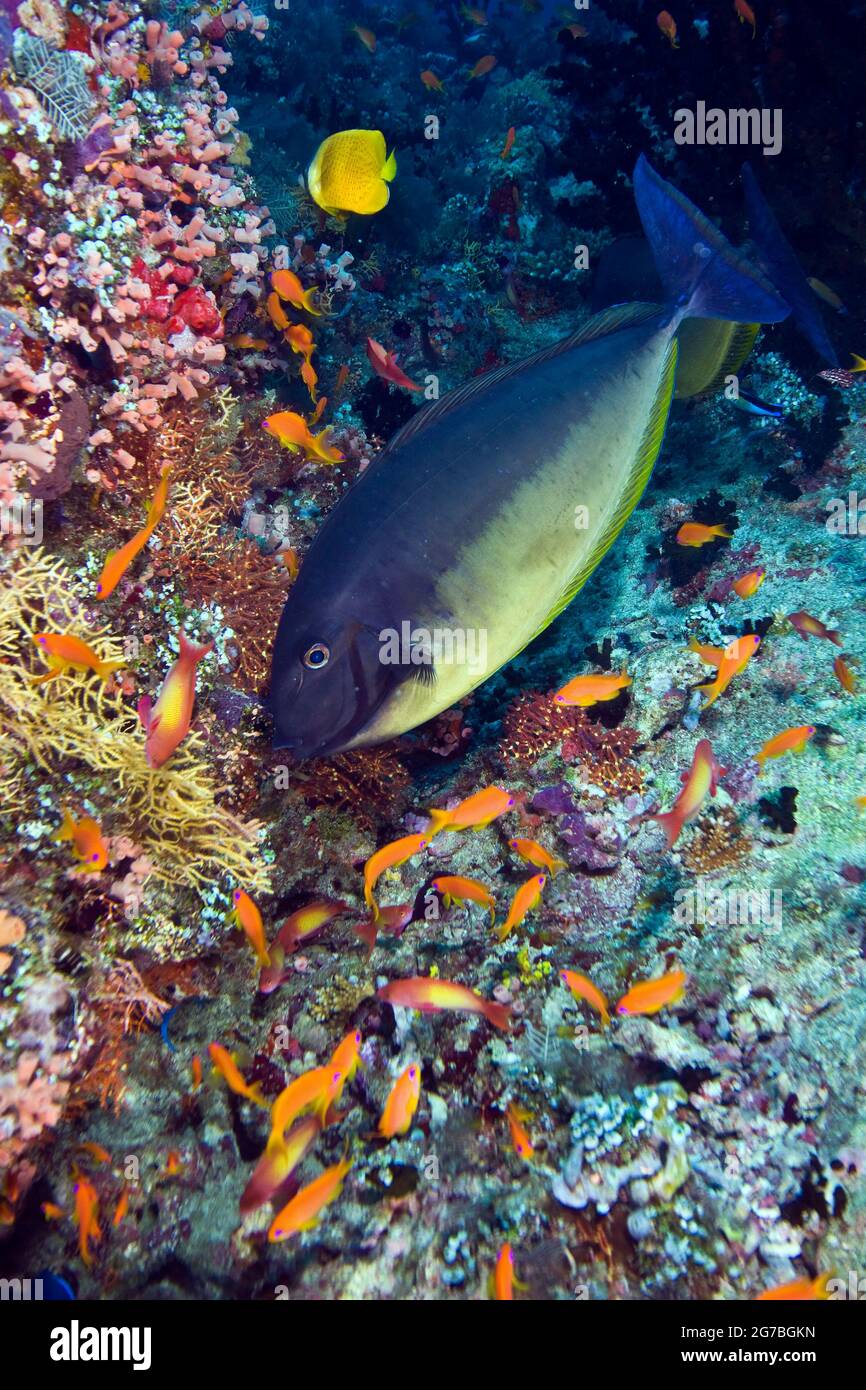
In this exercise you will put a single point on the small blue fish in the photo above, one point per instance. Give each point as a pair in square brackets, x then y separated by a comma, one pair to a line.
[753, 405]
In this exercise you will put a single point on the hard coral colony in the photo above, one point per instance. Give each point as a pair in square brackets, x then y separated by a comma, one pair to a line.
[433, 836]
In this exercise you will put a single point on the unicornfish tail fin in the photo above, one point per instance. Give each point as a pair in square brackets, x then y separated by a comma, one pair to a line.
[702, 274]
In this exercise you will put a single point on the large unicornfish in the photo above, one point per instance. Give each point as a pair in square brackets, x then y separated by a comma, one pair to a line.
[489, 510]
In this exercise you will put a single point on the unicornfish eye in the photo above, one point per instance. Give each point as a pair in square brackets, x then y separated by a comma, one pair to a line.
[317, 655]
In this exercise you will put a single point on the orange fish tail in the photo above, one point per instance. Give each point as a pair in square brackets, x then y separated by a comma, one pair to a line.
[190, 652]
[106, 669]
[438, 821]
[67, 829]
[497, 1014]
[710, 693]
[671, 823]
[368, 933]
[254, 1094]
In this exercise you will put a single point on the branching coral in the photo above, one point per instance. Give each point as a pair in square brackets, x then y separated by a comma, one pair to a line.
[122, 992]
[533, 725]
[368, 783]
[718, 842]
[250, 589]
[79, 726]
[604, 755]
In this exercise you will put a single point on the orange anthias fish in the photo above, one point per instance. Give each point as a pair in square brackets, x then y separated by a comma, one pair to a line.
[86, 1208]
[299, 928]
[66, 653]
[791, 741]
[668, 26]
[87, 842]
[291, 562]
[302, 1212]
[246, 340]
[346, 1057]
[509, 141]
[430, 80]
[694, 533]
[228, 1069]
[581, 987]
[278, 1164]
[807, 626]
[97, 1152]
[589, 690]
[402, 1103]
[430, 996]
[391, 919]
[699, 782]
[117, 562]
[310, 377]
[536, 854]
[525, 900]
[276, 312]
[384, 364]
[749, 584]
[289, 288]
[797, 1290]
[249, 919]
[122, 1207]
[390, 856]
[300, 339]
[519, 1137]
[745, 14]
[367, 37]
[196, 1070]
[166, 723]
[173, 1165]
[293, 432]
[651, 995]
[51, 1211]
[729, 661]
[314, 1090]
[502, 1280]
[456, 890]
[845, 676]
[483, 66]
[473, 813]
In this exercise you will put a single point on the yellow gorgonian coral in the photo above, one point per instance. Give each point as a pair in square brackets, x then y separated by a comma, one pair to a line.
[76, 725]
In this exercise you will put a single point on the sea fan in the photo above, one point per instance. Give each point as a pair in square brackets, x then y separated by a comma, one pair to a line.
[59, 79]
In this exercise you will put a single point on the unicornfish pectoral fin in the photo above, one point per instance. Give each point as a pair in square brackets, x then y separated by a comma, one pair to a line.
[710, 351]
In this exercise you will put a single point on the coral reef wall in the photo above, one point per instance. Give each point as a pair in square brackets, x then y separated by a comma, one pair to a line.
[198, 357]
